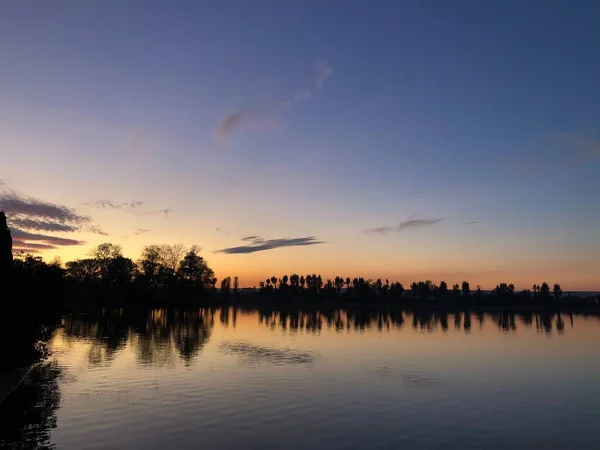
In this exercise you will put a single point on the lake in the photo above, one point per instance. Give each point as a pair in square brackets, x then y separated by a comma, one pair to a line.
[341, 379]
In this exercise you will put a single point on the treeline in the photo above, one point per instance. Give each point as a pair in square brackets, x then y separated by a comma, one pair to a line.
[421, 292]
[168, 274]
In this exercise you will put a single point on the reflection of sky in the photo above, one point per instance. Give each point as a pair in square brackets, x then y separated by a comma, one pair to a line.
[429, 111]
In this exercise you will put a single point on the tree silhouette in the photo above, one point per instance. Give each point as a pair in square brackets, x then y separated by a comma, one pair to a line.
[6, 256]
[545, 290]
[466, 289]
[225, 286]
[194, 274]
[557, 292]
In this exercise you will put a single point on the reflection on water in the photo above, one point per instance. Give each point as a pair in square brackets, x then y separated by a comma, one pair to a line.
[156, 334]
[28, 415]
[253, 354]
[331, 378]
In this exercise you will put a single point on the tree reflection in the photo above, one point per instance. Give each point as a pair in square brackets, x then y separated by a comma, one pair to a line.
[154, 335]
[191, 331]
[28, 415]
[423, 320]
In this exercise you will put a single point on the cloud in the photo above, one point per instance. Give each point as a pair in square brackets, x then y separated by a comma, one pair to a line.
[259, 244]
[23, 208]
[53, 240]
[418, 223]
[32, 247]
[139, 231]
[252, 239]
[42, 225]
[21, 241]
[134, 207]
[97, 230]
[108, 204]
[472, 222]
[28, 215]
[253, 116]
[408, 224]
[323, 70]
[235, 119]
[379, 230]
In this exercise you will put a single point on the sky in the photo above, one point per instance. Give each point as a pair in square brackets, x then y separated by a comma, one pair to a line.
[404, 140]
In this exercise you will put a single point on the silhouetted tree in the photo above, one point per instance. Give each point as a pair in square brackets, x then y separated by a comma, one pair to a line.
[104, 254]
[283, 283]
[236, 285]
[557, 292]
[443, 290]
[83, 270]
[466, 289]
[545, 291]
[456, 292]
[6, 256]
[396, 290]
[225, 286]
[194, 274]
[295, 282]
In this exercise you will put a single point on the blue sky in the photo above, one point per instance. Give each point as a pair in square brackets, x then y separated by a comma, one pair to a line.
[353, 115]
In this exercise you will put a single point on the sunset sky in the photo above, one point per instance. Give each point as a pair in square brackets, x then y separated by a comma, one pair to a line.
[401, 139]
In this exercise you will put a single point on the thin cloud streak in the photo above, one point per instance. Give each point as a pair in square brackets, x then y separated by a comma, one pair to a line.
[97, 230]
[380, 230]
[133, 207]
[323, 70]
[406, 225]
[108, 204]
[418, 223]
[235, 119]
[259, 244]
[251, 116]
[41, 242]
[42, 225]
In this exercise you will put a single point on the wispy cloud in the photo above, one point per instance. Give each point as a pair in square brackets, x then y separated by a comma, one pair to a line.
[418, 223]
[96, 230]
[323, 70]
[255, 117]
[380, 230]
[254, 239]
[406, 225]
[472, 222]
[42, 225]
[27, 242]
[136, 207]
[39, 211]
[27, 216]
[139, 231]
[258, 244]
[30, 247]
[109, 204]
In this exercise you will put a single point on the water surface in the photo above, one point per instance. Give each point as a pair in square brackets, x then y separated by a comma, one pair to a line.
[227, 378]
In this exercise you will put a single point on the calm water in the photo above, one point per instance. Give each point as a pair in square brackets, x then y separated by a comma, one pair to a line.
[269, 380]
